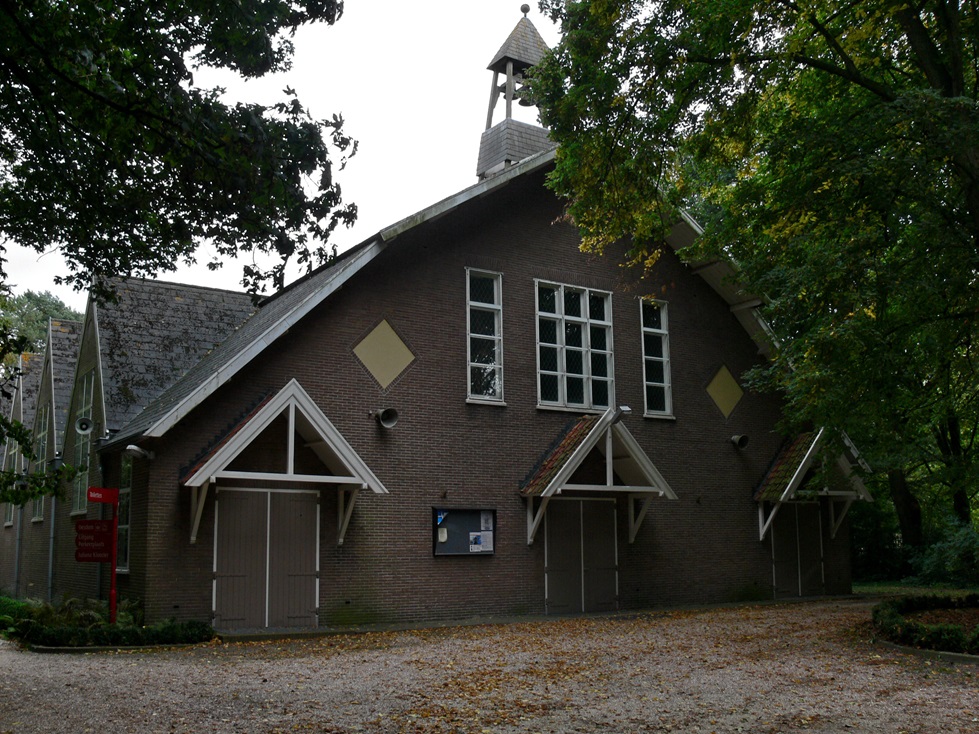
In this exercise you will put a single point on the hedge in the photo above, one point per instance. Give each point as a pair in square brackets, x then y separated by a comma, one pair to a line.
[84, 623]
[890, 621]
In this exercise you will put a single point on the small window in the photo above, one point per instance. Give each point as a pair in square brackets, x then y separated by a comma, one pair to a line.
[11, 463]
[41, 454]
[656, 358]
[83, 444]
[574, 347]
[125, 496]
[484, 297]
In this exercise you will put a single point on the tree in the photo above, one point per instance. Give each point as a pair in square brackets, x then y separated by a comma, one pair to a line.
[109, 151]
[29, 312]
[832, 152]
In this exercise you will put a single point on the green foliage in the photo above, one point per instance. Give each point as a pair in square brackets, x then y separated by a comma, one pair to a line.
[889, 618]
[877, 553]
[109, 152]
[832, 153]
[85, 623]
[953, 559]
[27, 315]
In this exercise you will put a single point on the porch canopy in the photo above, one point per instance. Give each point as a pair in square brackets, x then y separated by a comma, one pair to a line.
[792, 477]
[304, 446]
[598, 441]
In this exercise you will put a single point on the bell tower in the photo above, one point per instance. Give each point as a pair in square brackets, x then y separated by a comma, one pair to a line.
[510, 141]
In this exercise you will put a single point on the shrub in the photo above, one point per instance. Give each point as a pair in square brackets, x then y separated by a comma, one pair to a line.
[952, 560]
[889, 618]
[84, 623]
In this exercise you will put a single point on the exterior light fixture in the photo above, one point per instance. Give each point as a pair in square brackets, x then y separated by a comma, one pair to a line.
[137, 452]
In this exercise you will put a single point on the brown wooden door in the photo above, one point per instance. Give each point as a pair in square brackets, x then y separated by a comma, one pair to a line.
[563, 570]
[798, 552]
[810, 549]
[599, 565]
[581, 573]
[266, 560]
[239, 578]
[292, 560]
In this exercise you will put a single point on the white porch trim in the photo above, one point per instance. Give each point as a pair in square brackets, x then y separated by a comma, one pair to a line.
[623, 456]
[350, 473]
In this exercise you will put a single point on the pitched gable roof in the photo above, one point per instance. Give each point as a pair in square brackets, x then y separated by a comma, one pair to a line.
[791, 471]
[624, 459]
[279, 313]
[154, 333]
[789, 468]
[627, 468]
[62, 355]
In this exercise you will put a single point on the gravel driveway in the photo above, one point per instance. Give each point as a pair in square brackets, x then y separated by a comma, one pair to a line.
[768, 668]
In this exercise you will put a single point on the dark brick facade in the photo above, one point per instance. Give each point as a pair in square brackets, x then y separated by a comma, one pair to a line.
[447, 452]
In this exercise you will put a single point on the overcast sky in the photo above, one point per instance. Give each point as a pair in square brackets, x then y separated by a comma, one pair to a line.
[411, 82]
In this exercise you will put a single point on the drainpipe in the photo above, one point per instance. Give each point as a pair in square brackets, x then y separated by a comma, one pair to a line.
[17, 542]
[54, 514]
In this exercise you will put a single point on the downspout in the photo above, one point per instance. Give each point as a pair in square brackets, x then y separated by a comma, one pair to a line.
[17, 542]
[798, 550]
[54, 514]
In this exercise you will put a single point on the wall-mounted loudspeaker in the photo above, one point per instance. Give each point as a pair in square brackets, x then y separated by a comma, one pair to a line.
[84, 426]
[740, 441]
[388, 418]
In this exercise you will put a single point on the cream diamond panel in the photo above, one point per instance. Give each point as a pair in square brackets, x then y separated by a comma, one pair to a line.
[384, 354]
[725, 391]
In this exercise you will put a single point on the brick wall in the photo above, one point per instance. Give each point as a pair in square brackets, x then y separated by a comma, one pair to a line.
[444, 451]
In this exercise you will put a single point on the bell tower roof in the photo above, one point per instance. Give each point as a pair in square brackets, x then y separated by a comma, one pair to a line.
[510, 141]
[524, 47]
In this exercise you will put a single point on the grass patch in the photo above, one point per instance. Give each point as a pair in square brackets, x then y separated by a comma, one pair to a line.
[898, 588]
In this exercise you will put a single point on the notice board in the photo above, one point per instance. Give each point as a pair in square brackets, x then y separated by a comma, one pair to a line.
[463, 532]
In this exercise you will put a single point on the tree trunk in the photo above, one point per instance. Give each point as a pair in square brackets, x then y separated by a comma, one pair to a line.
[960, 506]
[907, 507]
[948, 435]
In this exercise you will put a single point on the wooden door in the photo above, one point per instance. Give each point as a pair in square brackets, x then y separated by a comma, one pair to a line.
[266, 559]
[240, 560]
[581, 572]
[293, 553]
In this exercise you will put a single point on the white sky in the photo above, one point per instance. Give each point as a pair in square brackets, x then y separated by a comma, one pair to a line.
[411, 82]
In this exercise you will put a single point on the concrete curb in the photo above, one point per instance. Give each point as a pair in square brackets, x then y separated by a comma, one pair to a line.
[945, 657]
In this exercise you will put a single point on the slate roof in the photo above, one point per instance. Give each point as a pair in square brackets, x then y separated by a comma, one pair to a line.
[784, 468]
[555, 457]
[509, 141]
[276, 315]
[63, 340]
[154, 333]
[280, 312]
[524, 46]
[30, 385]
[250, 338]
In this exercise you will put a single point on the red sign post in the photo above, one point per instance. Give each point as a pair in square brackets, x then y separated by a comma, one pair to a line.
[96, 541]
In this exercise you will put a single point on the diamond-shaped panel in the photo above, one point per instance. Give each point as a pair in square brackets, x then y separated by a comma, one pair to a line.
[384, 354]
[725, 391]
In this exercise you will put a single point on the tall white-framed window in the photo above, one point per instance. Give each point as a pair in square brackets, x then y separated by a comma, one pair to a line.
[83, 444]
[11, 455]
[125, 505]
[656, 357]
[41, 456]
[484, 306]
[574, 346]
